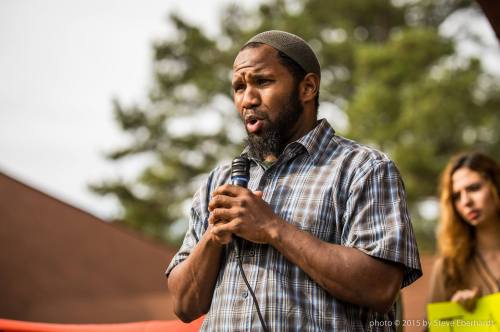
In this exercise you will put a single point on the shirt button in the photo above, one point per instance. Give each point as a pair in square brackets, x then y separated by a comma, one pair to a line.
[251, 253]
[244, 294]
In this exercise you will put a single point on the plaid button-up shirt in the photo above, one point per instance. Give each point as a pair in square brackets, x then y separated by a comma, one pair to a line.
[339, 191]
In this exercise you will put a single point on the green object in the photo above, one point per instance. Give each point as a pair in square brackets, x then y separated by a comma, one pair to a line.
[449, 316]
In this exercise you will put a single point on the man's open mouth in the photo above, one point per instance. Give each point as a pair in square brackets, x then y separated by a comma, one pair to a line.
[253, 124]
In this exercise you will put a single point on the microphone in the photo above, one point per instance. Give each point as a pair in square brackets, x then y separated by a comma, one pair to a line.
[240, 174]
[240, 171]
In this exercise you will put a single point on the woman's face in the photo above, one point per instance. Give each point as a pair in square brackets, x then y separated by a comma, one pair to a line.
[473, 197]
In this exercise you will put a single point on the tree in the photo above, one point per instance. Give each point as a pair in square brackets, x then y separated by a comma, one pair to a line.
[384, 66]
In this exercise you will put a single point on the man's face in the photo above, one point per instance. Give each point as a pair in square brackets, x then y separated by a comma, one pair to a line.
[267, 99]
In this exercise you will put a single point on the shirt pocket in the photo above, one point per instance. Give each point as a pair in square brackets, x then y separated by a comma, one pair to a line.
[314, 212]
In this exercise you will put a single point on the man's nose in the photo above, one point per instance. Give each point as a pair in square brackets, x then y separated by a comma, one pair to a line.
[251, 98]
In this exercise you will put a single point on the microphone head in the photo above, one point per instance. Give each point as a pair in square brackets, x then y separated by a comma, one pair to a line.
[240, 171]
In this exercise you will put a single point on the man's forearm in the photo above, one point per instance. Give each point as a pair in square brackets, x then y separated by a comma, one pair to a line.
[192, 282]
[346, 273]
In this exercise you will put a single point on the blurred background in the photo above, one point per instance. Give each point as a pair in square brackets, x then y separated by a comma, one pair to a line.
[120, 108]
[130, 99]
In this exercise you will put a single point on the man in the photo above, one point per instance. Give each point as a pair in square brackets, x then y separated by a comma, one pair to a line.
[327, 240]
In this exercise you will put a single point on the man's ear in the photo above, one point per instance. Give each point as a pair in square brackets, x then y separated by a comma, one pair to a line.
[309, 88]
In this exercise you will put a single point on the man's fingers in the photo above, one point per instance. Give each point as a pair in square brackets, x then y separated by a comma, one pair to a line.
[218, 216]
[221, 215]
[220, 201]
[219, 236]
[222, 230]
[228, 190]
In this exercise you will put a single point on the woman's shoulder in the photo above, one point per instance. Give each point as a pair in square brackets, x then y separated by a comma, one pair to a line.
[438, 289]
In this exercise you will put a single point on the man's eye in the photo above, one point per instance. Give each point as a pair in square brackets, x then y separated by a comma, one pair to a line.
[238, 88]
[455, 196]
[263, 81]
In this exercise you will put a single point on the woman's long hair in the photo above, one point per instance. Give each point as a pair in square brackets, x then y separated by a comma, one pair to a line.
[456, 237]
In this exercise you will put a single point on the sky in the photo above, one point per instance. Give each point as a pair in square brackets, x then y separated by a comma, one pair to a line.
[63, 61]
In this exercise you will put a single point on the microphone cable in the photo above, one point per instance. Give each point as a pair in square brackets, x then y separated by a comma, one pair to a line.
[240, 174]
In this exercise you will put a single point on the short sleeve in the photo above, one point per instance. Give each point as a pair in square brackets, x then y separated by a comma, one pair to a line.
[198, 219]
[193, 235]
[376, 219]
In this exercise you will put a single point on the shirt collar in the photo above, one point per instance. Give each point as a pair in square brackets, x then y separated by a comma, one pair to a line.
[311, 141]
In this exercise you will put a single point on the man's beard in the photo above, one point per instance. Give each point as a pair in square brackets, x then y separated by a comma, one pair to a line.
[272, 140]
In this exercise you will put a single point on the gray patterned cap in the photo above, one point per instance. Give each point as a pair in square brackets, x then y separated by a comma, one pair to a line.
[293, 46]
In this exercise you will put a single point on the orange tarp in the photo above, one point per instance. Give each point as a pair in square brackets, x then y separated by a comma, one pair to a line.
[8, 325]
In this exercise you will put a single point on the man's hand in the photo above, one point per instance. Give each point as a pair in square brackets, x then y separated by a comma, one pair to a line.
[467, 298]
[346, 273]
[236, 210]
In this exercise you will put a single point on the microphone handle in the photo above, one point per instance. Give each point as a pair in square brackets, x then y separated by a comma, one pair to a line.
[241, 181]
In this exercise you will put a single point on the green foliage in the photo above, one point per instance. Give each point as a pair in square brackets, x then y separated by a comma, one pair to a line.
[384, 64]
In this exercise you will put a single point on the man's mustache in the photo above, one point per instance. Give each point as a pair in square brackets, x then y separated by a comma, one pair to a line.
[254, 114]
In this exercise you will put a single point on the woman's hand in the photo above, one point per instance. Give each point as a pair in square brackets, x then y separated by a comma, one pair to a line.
[467, 298]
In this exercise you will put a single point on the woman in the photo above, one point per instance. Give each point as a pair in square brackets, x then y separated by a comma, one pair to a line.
[469, 234]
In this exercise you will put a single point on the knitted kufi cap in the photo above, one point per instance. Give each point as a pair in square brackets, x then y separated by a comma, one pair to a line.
[293, 46]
